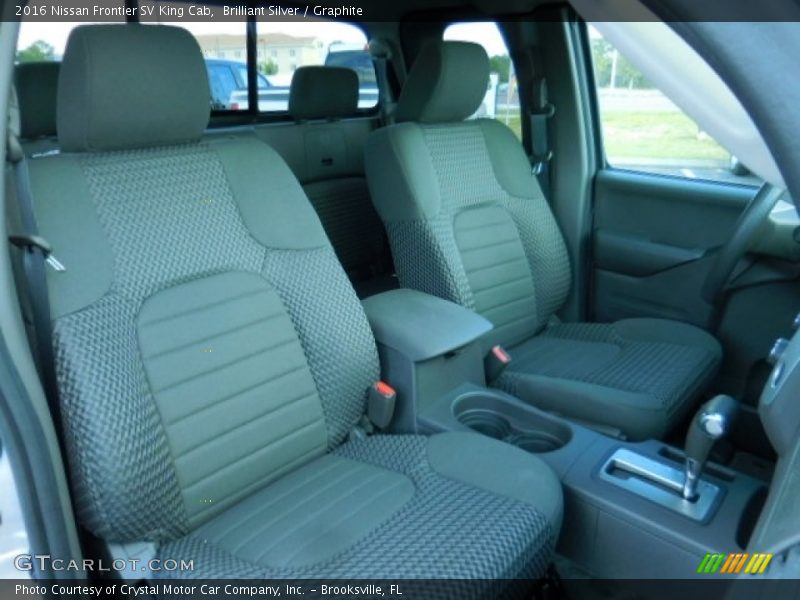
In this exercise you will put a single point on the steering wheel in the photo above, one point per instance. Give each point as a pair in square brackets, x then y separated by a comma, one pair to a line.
[732, 251]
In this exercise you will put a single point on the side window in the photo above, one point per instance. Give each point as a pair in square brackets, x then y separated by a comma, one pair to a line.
[501, 101]
[284, 47]
[644, 131]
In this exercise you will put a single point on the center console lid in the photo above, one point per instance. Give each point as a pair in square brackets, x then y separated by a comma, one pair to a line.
[420, 326]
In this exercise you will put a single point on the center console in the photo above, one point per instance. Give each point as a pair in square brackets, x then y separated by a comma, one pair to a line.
[427, 348]
[627, 510]
[617, 495]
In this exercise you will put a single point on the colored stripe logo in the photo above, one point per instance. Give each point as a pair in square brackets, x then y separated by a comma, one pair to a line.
[731, 564]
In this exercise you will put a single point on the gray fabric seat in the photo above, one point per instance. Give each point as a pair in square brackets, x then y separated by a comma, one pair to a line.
[212, 357]
[319, 98]
[467, 221]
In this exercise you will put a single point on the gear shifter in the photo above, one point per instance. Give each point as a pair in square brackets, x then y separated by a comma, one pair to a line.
[712, 422]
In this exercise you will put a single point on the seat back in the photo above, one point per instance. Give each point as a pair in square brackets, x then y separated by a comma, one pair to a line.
[207, 341]
[466, 218]
[326, 150]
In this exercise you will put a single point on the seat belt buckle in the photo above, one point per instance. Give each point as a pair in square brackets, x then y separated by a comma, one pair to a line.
[31, 242]
[380, 404]
[496, 362]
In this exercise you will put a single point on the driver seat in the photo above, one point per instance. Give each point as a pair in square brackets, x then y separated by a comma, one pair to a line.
[467, 221]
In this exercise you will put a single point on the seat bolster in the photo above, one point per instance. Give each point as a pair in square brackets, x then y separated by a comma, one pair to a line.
[68, 220]
[252, 167]
[402, 182]
[510, 164]
[499, 468]
[670, 332]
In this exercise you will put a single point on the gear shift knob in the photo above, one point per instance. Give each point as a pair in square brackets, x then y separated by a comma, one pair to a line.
[712, 422]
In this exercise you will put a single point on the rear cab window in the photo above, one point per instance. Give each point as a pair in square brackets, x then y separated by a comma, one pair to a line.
[226, 67]
[282, 48]
[224, 48]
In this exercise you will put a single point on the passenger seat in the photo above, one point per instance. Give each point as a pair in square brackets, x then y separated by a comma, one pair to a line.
[467, 221]
[213, 361]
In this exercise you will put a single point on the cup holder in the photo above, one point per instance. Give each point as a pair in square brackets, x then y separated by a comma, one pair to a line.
[538, 442]
[486, 422]
[523, 427]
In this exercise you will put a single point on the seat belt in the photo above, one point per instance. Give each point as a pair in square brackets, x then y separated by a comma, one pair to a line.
[381, 54]
[541, 111]
[37, 256]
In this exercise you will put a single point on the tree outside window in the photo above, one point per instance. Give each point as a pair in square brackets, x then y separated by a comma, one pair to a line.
[37, 51]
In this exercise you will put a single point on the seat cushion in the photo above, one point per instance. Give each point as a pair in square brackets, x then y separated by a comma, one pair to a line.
[390, 507]
[638, 375]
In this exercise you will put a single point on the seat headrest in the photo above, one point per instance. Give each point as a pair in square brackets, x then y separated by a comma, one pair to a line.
[37, 87]
[446, 83]
[323, 93]
[129, 86]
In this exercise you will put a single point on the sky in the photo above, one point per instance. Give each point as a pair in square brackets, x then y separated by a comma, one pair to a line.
[483, 33]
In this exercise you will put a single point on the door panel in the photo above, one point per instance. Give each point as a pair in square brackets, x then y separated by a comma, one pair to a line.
[654, 241]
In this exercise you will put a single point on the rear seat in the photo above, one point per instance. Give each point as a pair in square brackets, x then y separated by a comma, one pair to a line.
[36, 84]
[326, 153]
